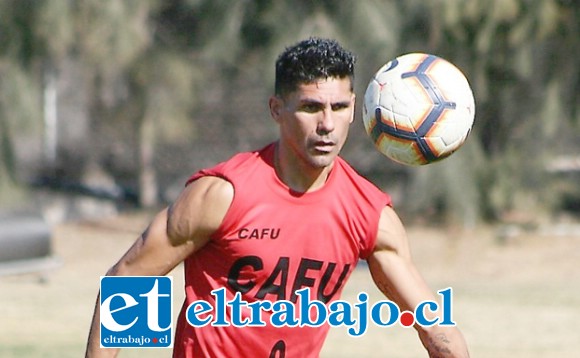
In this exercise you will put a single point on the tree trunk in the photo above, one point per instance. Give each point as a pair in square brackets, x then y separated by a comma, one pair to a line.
[148, 191]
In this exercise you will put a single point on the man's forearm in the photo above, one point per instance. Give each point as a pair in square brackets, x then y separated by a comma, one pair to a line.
[444, 343]
[94, 349]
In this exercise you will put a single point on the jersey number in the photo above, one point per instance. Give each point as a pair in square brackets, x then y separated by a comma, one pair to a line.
[279, 350]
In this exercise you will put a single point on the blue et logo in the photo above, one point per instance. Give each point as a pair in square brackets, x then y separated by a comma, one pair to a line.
[136, 312]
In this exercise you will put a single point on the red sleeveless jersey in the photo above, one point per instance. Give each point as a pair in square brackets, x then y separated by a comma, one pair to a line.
[272, 242]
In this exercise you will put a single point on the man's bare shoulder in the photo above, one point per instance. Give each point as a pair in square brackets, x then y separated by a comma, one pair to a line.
[391, 235]
[211, 187]
[199, 210]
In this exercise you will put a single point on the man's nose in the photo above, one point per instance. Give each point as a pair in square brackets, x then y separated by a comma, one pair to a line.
[326, 123]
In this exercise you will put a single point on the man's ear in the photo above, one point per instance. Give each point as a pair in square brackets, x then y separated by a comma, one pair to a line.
[276, 105]
[353, 107]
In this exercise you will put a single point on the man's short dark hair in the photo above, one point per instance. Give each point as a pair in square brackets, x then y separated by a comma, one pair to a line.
[310, 60]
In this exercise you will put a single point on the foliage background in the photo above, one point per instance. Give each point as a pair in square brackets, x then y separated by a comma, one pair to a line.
[124, 99]
[108, 105]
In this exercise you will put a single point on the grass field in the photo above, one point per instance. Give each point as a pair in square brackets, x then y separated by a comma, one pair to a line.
[517, 299]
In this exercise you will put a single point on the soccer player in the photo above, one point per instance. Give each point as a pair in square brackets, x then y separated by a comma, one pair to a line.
[289, 216]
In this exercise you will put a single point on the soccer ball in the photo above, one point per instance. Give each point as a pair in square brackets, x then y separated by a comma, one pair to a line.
[418, 109]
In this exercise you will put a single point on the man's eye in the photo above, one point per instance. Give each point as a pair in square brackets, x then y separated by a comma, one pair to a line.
[310, 108]
[339, 106]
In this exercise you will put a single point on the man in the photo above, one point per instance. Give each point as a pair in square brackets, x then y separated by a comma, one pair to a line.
[292, 215]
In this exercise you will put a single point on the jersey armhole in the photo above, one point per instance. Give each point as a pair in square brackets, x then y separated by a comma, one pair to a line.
[368, 250]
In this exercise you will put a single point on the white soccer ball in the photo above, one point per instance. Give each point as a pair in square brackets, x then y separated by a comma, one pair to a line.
[418, 109]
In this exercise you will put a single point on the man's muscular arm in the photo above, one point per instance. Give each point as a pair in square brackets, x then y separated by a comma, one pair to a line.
[173, 235]
[396, 276]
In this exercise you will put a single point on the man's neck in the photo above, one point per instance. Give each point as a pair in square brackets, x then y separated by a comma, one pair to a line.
[298, 175]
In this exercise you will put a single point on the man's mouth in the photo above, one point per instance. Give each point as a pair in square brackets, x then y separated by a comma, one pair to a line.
[324, 145]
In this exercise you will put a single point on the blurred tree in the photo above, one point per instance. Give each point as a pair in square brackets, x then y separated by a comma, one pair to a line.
[522, 60]
[18, 93]
[192, 77]
[112, 37]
